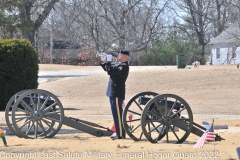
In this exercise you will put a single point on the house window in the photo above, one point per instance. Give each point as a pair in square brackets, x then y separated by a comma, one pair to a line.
[218, 53]
[234, 52]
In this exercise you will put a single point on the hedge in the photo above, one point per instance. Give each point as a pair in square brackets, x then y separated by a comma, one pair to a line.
[18, 68]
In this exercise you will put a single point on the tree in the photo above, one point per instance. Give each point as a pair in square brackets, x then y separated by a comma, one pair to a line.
[134, 23]
[109, 25]
[196, 16]
[206, 18]
[7, 23]
[26, 15]
[164, 52]
[106, 25]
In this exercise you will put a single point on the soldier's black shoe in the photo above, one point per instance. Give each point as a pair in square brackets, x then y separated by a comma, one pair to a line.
[113, 136]
[116, 137]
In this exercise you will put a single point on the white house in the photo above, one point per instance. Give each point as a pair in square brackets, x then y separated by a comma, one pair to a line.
[225, 47]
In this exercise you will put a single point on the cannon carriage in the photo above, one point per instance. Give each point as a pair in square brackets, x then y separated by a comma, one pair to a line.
[147, 115]
[39, 113]
[155, 116]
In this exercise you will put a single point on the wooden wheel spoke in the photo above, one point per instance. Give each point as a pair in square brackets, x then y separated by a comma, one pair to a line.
[174, 132]
[49, 125]
[178, 112]
[19, 115]
[141, 135]
[159, 108]
[174, 104]
[44, 103]
[30, 127]
[36, 129]
[46, 122]
[160, 133]
[155, 128]
[19, 109]
[41, 126]
[25, 123]
[151, 120]
[134, 112]
[138, 105]
[150, 113]
[28, 107]
[134, 120]
[52, 119]
[51, 113]
[21, 118]
[38, 101]
[52, 105]
[33, 103]
[135, 128]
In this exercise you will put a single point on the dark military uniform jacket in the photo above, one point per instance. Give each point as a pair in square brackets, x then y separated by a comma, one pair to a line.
[118, 76]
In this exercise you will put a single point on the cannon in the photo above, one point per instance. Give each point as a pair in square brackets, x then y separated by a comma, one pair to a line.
[147, 115]
[39, 113]
[153, 116]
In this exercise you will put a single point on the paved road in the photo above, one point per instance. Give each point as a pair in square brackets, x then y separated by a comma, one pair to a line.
[62, 71]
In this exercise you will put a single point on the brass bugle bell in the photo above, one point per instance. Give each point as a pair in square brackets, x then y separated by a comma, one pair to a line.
[103, 57]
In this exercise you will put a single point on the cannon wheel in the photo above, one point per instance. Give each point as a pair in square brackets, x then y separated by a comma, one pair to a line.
[8, 112]
[132, 125]
[34, 115]
[155, 120]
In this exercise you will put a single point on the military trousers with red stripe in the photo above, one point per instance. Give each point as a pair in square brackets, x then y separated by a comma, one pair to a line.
[116, 107]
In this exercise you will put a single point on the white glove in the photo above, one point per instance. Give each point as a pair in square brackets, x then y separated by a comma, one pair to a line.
[109, 58]
[103, 58]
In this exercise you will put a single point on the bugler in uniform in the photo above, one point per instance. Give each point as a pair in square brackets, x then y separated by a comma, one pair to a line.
[118, 73]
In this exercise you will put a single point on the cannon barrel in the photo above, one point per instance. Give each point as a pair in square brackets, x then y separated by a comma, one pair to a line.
[143, 101]
[42, 100]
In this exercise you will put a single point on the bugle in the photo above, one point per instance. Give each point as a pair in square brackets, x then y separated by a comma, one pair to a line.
[103, 57]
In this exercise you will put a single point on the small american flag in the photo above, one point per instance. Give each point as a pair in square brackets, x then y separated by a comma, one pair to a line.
[208, 136]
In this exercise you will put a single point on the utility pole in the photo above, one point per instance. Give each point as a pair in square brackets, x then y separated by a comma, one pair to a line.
[51, 40]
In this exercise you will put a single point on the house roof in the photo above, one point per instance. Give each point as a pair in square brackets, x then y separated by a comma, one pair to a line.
[230, 36]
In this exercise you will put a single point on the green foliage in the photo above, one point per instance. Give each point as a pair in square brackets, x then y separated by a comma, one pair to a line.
[22, 18]
[164, 52]
[9, 18]
[18, 68]
[7, 26]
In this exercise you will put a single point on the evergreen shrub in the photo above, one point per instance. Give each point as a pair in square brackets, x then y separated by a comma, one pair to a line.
[18, 68]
